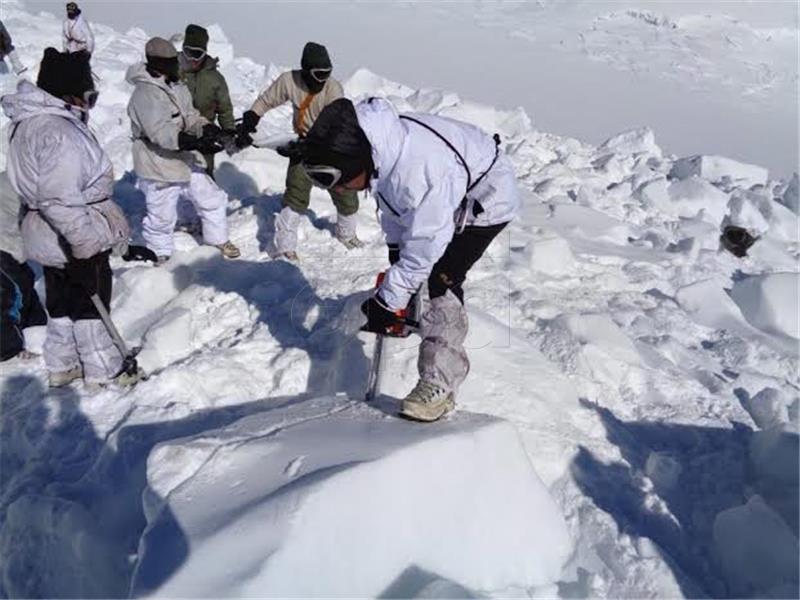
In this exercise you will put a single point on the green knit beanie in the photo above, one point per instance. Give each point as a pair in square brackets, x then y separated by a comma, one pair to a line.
[196, 37]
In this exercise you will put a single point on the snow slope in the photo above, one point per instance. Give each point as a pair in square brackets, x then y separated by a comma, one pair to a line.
[629, 427]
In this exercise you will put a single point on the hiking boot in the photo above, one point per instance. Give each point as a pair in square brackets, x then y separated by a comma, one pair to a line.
[289, 255]
[351, 243]
[122, 380]
[62, 378]
[427, 402]
[160, 260]
[229, 250]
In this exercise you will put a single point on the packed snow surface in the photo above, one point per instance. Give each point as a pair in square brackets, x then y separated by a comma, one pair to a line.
[628, 428]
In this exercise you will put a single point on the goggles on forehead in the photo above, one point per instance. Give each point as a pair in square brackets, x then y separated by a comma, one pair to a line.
[323, 176]
[193, 53]
[321, 75]
[90, 98]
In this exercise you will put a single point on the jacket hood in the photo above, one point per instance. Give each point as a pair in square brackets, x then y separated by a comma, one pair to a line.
[380, 122]
[137, 73]
[30, 101]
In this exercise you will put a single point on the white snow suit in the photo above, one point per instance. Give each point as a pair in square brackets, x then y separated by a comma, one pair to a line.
[421, 190]
[64, 180]
[159, 111]
[78, 35]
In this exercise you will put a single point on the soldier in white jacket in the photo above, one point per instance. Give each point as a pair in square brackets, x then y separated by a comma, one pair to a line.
[69, 224]
[445, 191]
[78, 36]
[169, 140]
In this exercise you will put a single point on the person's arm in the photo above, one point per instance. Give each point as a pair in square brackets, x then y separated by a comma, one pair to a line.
[65, 35]
[88, 36]
[59, 192]
[224, 105]
[335, 91]
[154, 112]
[426, 231]
[275, 95]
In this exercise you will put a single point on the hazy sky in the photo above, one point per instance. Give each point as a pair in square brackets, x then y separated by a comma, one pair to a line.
[443, 45]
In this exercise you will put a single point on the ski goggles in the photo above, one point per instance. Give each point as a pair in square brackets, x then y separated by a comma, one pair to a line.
[90, 98]
[321, 75]
[194, 53]
[323, 176]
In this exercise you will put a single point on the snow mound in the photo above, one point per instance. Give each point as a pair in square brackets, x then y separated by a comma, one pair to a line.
[757, 551]
[769, 302]
[333, 501]
[636, 141]
[719, 170]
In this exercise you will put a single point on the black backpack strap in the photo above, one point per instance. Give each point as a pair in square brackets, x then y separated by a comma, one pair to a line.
[449, 145]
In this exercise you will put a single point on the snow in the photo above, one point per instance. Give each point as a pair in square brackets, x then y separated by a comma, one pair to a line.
[628, 428]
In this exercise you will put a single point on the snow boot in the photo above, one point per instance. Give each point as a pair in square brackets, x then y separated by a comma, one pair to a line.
[351, 243]
[229, 250]
[427, 402]
[62, 378]
[346, 231]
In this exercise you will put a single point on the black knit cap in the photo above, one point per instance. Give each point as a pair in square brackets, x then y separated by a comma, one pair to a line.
[315, 56]
[65, 74]
[337, 140]
[196, 37]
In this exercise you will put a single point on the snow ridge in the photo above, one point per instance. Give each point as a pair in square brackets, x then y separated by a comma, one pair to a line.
[629, 427]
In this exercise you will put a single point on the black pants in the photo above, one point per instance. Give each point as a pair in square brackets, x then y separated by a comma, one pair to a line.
[66, 288]
[21, 306]
[461, 253]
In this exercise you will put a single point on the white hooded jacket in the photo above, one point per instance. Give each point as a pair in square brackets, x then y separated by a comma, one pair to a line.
[421, 184]
[64, 180]
[77, 35]
[159, 111]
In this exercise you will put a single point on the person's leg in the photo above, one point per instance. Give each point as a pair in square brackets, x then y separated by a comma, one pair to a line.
[101, 359]
[211, 204]
[16, 64]
[443, 364]
[60, 349]
[295, 203]
[209, 165]
[346, 210]
[158, 224]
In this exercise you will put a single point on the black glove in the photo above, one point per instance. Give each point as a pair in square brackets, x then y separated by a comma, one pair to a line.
[249, 121]
[187, 141]
[293, 150]
[394, 253]
[84, 271]
[212, 132]
[140, 253]
[380, 318]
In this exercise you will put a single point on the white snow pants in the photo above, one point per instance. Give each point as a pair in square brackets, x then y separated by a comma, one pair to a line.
[442, 358]
[84, 342]
[162, 210]
[287, 223]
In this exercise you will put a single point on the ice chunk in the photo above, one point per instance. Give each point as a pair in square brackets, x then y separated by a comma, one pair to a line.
[368, 489]
[769, 302]
[695, 197]
[635, 141]
[768, 408]
[756, 550]
[719, 170]
[551, 255]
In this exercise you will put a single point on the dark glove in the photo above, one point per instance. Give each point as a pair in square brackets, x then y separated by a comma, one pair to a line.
[394, 253]
[293, 150]
[140, 253]
[187, 141]
[212, 132]
[380, 318]
[249, 121]
[84, 271]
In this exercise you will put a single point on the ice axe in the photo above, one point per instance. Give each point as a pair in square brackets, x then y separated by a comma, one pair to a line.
[129, 365]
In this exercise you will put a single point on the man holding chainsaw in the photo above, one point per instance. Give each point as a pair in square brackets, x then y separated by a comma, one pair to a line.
[70, 223]
[445, 191]
[309, 89]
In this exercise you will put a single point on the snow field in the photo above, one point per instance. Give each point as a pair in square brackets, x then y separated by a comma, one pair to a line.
[646, 376]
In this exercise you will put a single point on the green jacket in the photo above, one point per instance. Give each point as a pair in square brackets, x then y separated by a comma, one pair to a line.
[210, 93]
